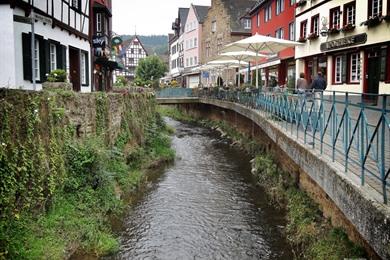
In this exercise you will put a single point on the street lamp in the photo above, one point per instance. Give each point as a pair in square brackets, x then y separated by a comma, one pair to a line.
[324, 30]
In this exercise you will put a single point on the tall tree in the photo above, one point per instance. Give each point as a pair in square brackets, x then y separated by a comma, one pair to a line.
[151, 68]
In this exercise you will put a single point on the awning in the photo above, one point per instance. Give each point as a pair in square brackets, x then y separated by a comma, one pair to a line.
[112, 65]
[98, 6]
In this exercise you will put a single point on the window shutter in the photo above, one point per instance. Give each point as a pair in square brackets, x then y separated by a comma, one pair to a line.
[26, 44]
[61, 57]
[42, 59]
[47, 58]
[344, 69]
[86, 68]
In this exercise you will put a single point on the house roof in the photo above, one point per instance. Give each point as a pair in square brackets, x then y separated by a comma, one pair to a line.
[236, 10]
[183, 14]
[201, 12]
[126, 44]
[256, 6]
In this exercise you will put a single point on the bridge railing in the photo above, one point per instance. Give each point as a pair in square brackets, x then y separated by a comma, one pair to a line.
[174, 93]
[349, 128]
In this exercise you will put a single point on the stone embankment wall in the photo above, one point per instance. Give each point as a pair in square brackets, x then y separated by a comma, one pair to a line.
[344, 203]
[34, 130]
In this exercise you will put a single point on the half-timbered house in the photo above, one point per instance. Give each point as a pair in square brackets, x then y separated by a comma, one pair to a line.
[60, 29]
[134, 51]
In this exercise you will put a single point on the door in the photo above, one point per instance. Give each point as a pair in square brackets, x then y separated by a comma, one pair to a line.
[372, 76]
[74, 62]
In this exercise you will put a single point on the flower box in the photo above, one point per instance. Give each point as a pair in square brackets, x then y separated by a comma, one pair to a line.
[302, 39]
[300, 3]
[348, 27]
[334, 30]
[312, 36]
[372, 21]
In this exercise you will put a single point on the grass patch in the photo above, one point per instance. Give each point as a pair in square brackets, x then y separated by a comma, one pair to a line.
[173, 112]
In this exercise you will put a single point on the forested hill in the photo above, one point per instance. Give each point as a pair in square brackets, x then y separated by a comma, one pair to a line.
[153, 43]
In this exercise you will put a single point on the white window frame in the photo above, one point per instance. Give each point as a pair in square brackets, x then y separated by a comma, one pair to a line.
[37, 61]
[279, 6]
[195, 60]
[279, 33]
[99, 22]
[376, 4]
[336, 18]
[338, 70]
[258, 19]
[355, 69]
[195, 42]
[247, 23]
[83, 68]
[53, 57]
[268, 13]
[291, 31]
[316, 25]
[351, 14]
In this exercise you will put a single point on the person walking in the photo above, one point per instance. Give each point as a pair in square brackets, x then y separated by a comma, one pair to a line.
[318, 86]
[302, 85]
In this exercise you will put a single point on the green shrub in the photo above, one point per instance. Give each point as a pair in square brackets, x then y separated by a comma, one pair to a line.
[57, 76]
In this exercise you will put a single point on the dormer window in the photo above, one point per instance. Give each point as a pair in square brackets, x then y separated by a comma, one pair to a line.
[247, 24]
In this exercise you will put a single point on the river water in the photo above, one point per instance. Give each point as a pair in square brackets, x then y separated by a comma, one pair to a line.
[205, 206]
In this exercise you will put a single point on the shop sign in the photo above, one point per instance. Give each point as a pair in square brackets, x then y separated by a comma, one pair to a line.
[344, 42]
[99, 42]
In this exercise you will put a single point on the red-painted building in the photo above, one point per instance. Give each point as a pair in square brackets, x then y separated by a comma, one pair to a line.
[100, 34]
[275, 18]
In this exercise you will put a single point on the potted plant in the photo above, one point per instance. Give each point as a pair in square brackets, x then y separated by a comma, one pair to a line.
[348, 27]
[334, 30]
[56, 79]
[300, 3]
[302, 39]
[372, 21]
[312, 36]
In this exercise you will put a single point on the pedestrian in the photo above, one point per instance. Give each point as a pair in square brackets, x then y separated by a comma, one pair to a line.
[319, 83]
[318, 86]
[302, 85]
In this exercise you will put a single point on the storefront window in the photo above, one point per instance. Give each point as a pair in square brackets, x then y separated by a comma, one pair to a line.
[338, 69]
[355, 67]
[383, 64]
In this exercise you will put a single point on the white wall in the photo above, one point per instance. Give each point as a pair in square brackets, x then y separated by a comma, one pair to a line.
[48, 33]
[7, 51]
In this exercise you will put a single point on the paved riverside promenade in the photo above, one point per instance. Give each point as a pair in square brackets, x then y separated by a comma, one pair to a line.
[362, 203]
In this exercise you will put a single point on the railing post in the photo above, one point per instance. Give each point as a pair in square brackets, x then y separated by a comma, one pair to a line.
[346, 131]
[362, 141]
[382, 142]
[322, 122]
[333, 125]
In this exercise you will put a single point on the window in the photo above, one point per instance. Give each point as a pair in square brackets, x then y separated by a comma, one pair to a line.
[131, 60]
[303, 29]
[132, 51]
[334, 18]
[355, 68]
[195, 42]
[83, 68]
[187, 62]
[258, 19]
[267, 13]
[53, 57]
[195, 60]
[279, 33]
[383, 63]
[208, 52]
[99, 22]
[350, 13]
[139, 51]
[36, 60]
[279, 6]
[191, 60]
[214, 26]
[247, 23]
[291, 31]
[338, 69]
[374, 8]
[315, 24]
[76, 4]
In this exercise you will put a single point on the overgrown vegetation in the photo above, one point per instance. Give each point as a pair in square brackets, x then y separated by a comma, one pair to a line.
[310, 234]
[58, 191]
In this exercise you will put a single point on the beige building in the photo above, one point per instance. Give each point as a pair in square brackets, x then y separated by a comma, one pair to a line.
[223, 25]
[349, 41]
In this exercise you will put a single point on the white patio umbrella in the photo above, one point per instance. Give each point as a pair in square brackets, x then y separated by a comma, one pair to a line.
[227, 63]
[245, 56]
[260, 44]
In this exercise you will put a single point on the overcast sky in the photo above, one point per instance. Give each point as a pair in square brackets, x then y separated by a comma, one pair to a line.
[149, 16]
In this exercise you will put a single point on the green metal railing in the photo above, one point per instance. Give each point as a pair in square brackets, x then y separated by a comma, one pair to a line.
[350, 128]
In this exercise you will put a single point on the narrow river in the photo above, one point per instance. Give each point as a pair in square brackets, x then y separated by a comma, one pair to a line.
[205, 206]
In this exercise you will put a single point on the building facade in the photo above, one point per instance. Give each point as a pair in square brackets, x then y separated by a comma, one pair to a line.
[61, 32]
[223, 25]
[276, 18]
[100, 36]
[133, 51]
[176, 47]
[192, 45]
[348, 41]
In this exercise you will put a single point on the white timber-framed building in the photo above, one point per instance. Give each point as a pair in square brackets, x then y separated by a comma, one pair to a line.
[61, 42]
